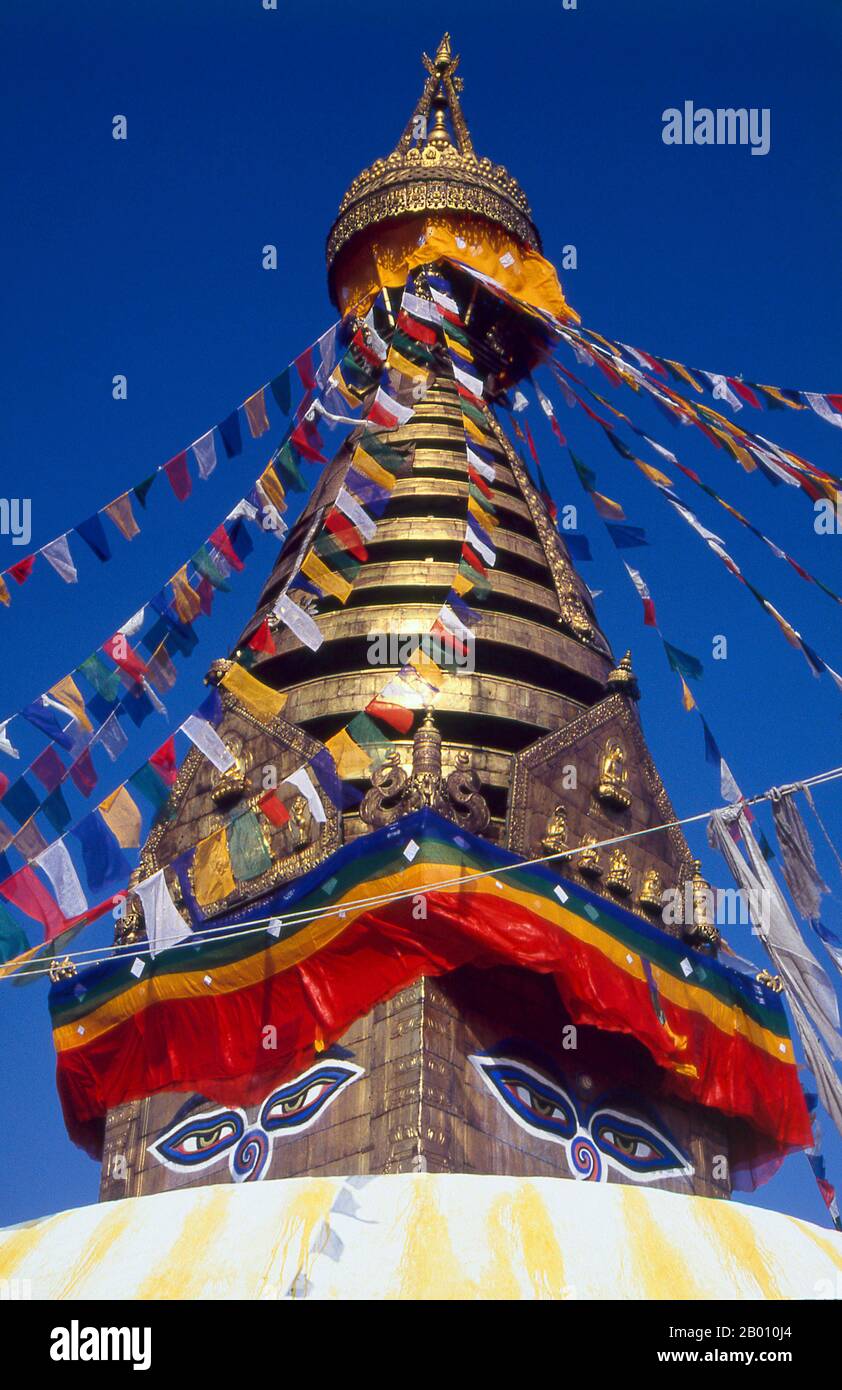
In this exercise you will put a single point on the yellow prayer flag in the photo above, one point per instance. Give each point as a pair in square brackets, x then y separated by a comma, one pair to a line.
[773, 391]
[351, 760]
[120, 512]
[398, 363]
[257, 697]
[487, 522]
[458, 347]
[122, 816]
[653, 474]
[683, 372]
[426, 668]
[328, 580]
[185, 599]
[364, 463]
[786, 628]
[474, 431]
[463, 585]
[69, 696]
[338, 380]
[255, 408]
[686, 695]
[273, 488]
[5, 598]
[212, 876]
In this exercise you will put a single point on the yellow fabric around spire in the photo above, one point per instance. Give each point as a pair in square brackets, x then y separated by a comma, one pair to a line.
[385, 257]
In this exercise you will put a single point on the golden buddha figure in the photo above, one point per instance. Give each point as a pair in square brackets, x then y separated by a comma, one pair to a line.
[618, 878]
[589, 860]
[555, 835]
[229, 786]
[298, 828]
[650, 896]
[613, 776]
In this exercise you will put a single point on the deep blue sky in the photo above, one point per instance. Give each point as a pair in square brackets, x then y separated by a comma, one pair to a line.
[245, 127]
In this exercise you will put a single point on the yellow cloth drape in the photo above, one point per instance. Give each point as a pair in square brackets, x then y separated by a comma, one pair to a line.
[387, 255]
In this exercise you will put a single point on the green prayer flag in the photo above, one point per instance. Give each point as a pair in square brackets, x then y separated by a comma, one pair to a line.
[206, 567]
[683, 662]
[141, 492]
[13, 940]
[587, 477]
[285, 464]
[105, 681]
[248, 850]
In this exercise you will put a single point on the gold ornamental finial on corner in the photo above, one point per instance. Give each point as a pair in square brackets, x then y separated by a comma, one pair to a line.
[622, 678]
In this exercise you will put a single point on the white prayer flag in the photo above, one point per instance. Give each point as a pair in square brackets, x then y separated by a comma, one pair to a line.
[302, 780]
[821, 407]
[485, 470]
[57, 554]
[207, 740]
[722, 391]
[59, 868]
[5, 745]
[298, 622]
[165, 926]
[350, 507]
[486, 553]
[204, 451]
[420, 308]
[471, 383]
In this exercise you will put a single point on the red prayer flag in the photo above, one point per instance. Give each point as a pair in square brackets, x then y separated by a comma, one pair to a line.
[274, 809]
[421, 332]
[117, 647]
[743, 391]
[26, 891]
[262, 640]
[479, 482]
[164, 762]
[83, 773]
[179, 475]
[307, 441]
[222, 542]
[22, 570]
[531, 442]
[304, 367]
[347, 533]
[473, 560]
[49, 769]
[394, 715]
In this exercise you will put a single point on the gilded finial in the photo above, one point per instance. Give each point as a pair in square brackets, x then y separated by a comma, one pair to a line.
[443, 57]
[622, 678]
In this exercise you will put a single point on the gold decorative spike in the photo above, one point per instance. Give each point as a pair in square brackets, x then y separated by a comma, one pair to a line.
[651, 892]
[613, 776]
[555, 836]
[623, 680]
[589, 861]
[394, 792]
[618, 878]
[432, 171]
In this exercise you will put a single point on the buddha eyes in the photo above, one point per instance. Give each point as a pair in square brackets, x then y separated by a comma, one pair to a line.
[535, 1101]
[628, 1143]
[295, 1106]
[204, 1139]
[201, 1139]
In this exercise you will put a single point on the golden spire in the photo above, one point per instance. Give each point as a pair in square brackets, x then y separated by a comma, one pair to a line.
[622, 678]
[433, 169]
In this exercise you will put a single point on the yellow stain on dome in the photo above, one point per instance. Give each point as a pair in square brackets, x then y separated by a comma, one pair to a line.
[741, 1248]
[295, 1246]
[661, 1268]
[521, 1233]
[430, 1267]
[188, 1267]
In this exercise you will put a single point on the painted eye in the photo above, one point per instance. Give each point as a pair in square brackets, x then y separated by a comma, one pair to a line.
[300, 1102]
[535, 1102]
[635, 1148]
[199, 1141]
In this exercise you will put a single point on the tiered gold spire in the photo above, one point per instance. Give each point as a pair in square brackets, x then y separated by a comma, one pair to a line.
[433, 169]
